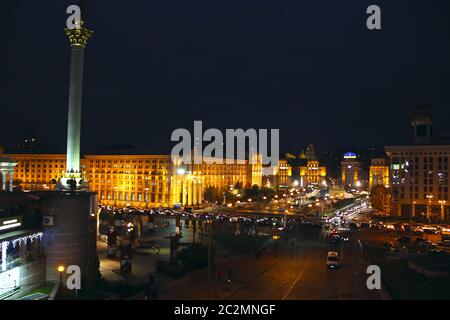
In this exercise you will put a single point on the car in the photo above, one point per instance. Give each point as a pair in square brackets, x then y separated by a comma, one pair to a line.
[430, 230]
[394, 248]
[404, 240]
[420, 240]
[335, 238]
[388, 245]
[332, 260]
[437, 251]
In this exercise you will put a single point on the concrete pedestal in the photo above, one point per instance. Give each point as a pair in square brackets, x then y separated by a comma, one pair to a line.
[72, 238]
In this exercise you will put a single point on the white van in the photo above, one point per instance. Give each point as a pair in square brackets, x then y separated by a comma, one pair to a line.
[332, 260]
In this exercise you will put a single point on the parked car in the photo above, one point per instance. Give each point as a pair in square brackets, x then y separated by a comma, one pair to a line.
[404, 240]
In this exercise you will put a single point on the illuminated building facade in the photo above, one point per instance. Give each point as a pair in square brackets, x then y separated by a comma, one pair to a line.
[283, 175]
[312, 174]
[350, 171]
[378, 173]
[419, 180]
[137, 180]
[38, 172]
[419, 173]
[22, 264]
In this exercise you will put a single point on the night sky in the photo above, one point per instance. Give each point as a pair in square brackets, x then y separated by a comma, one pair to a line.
[310, 68]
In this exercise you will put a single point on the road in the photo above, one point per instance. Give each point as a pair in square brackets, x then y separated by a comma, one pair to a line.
[302, 273]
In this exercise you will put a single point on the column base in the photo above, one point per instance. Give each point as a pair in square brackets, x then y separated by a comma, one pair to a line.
[72, 182]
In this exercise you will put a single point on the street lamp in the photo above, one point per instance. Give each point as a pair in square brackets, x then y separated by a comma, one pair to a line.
[146, 197]
[442, 203]
[429, 197]
[411, 214]
[209, 221]
[180, 172]
[60, 270]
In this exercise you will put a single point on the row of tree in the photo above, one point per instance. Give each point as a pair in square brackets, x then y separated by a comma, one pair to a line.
[213, 194]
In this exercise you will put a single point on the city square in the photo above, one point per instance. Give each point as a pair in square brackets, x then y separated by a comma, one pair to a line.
[291, 181]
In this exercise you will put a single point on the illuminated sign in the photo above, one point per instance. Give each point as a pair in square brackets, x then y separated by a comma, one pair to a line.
[9, 281]
[10, 223]
[350, 155]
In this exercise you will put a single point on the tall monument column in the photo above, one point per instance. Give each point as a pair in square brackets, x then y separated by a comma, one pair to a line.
[78, 38]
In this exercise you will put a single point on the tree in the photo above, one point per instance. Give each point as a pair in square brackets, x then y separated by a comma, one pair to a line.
[378, 197]
[267, 192]
[252, 192]
[211, 194]
[238, 185]
[230, 196]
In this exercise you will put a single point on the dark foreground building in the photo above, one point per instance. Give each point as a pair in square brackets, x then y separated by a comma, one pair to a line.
[40, 232]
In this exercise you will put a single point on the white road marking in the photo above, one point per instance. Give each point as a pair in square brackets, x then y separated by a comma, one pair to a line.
[296, 280]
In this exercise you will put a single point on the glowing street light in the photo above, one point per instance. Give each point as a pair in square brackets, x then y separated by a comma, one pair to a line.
[60, 270]
[442, 203]
[429, 197]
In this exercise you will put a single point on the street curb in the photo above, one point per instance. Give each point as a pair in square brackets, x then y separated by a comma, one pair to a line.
[52, 294]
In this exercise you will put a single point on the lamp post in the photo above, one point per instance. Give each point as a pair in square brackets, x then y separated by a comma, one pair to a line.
[429, 197]
[209, 257]
[60, 270]
[442, 203]
[411, 214]
[180, 172]
[146, 197]
[209, 222]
